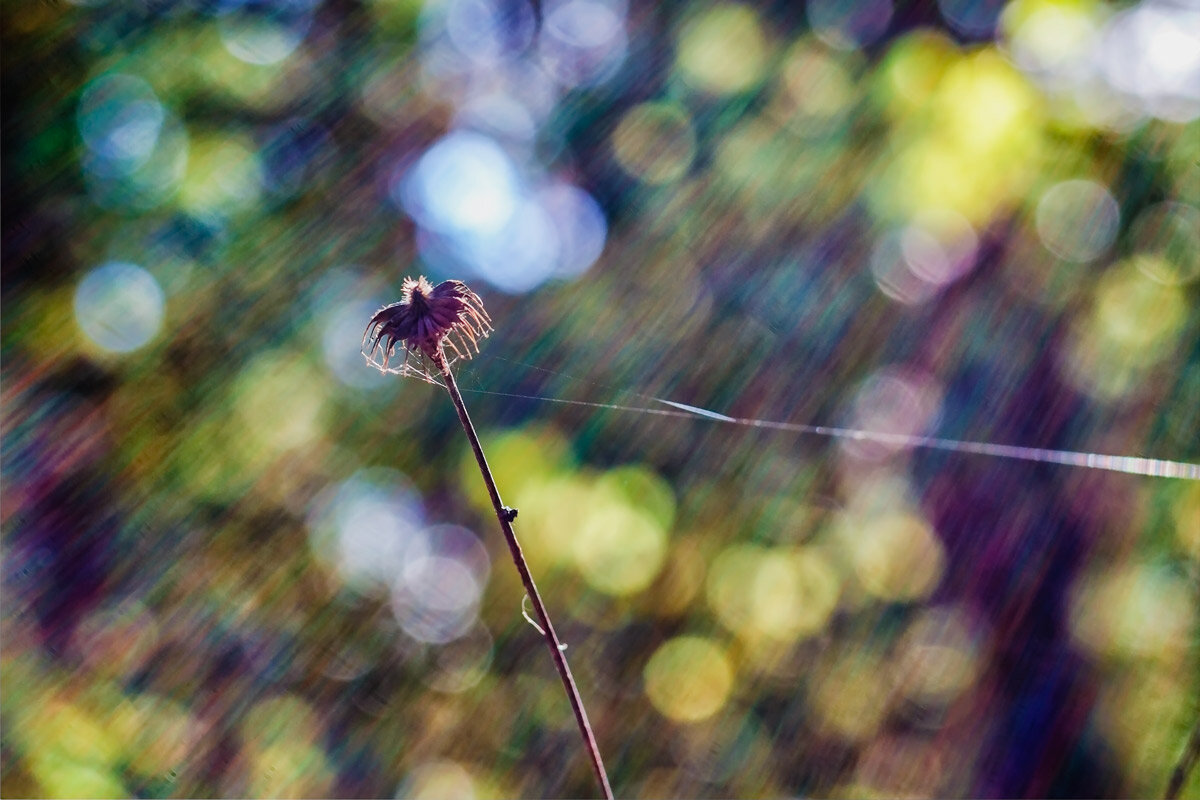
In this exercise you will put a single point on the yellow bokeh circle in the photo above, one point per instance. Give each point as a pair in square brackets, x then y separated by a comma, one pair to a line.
[655, 143]
[816, 90]
[851, 697]
[689, 678]
[897, 556]
[780, 593]
[723, 49]
[619, 549]
[1132, 611]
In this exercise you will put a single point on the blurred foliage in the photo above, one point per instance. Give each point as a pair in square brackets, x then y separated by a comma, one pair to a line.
[237, 562]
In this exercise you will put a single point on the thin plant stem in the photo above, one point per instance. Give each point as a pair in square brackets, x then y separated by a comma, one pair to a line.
[1187, 760]
[504, 515]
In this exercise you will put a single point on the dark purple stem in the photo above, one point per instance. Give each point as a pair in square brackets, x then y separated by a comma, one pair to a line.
[514, 547]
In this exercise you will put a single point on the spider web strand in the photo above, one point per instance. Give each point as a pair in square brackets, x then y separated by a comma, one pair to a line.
[1133, 465]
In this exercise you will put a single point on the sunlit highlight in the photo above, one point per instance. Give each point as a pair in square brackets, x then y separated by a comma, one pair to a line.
[437, 593]
[477, 211]
[369, 527]
[119, 307]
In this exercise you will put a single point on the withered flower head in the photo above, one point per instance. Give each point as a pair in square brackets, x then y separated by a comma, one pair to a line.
[428, 322]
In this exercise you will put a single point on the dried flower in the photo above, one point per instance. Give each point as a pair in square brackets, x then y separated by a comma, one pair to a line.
[427, 319]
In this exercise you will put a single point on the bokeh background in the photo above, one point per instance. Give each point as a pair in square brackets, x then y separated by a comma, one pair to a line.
[238, 562]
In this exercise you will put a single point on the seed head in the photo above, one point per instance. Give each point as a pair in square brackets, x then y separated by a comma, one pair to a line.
[428, 322]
